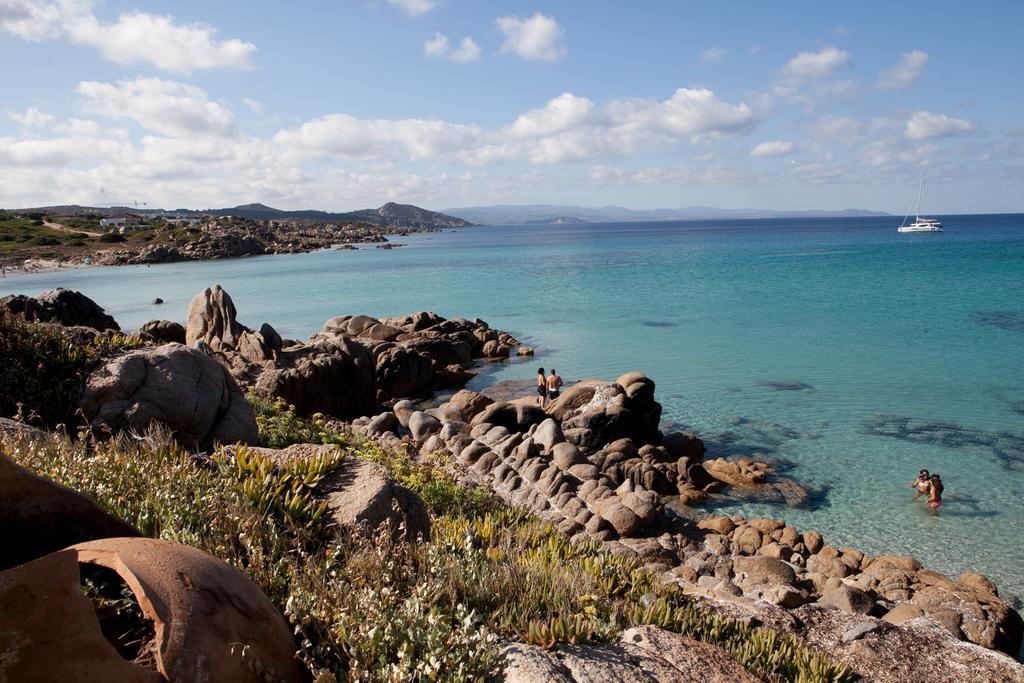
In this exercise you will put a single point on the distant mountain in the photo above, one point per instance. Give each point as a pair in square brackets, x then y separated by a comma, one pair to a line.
[390, 215]
[550, 213]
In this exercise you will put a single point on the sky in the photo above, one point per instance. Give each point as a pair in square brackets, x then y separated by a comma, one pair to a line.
[350, 104]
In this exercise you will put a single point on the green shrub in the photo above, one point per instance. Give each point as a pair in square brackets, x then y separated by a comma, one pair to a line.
[42, 372]
[111, 237]
[44, 241]
[281, 426]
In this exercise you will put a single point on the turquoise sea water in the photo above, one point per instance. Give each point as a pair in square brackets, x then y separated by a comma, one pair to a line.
[855, 353]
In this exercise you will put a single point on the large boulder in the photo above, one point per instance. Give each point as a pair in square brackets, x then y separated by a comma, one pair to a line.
[515, 417]
[573, 398]
[210, 621]
[39, 516]
[761, 569]
[175, 385]
[362, 326]
[164, 331]
[402, 372]
[333, 374]
[848, 599]
[212, 319]
[61, 306]
[975, 611]
[622, 409]
[470, 403]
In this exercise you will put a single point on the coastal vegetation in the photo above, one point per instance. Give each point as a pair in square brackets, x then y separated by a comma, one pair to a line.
[374, 608]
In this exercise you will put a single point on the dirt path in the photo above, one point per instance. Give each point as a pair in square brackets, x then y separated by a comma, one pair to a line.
[66, 229]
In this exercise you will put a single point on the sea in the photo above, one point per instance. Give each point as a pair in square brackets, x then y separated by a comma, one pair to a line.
[848, 353]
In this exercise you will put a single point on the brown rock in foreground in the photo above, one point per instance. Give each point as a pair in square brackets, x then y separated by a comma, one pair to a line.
[210, 622]
[38, 516]
[49, 630]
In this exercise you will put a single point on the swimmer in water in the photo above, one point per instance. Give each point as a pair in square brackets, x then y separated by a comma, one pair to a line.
[935, 493]
[922, 484]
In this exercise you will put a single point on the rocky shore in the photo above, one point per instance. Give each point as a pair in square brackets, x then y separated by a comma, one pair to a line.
[596, 465]
[226, 238]
[217, 238]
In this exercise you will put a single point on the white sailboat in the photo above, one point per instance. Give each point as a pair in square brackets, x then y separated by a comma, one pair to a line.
[920, 224]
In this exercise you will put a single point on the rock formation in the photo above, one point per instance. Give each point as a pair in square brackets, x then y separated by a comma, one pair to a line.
[596, 468]
[38, 516]
[61, 306]
[178, 386]
[353, 363]
[642, 654]
[164, 331]
[211, 623]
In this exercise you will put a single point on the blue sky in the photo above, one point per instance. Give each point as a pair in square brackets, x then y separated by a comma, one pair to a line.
[441, 103]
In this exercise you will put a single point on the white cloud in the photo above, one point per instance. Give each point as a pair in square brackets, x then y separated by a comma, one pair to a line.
[31, 118]
[558, 114]
[190, 153]
[713, 55]
[166, 107]
[134, 37]
[814, 65]
[672, 175]
[905, 72]
[924, 125]
[536, 38]
[436, 46]
[414, 7]
[773, 148]
[254, 106]
[342, 135]
[36, 21]
[693, 111]
[467, 51]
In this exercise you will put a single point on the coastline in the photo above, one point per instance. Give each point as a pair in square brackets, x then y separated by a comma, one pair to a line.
[609, 486]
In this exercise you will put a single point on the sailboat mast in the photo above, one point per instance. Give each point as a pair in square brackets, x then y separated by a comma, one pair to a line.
[920, 192]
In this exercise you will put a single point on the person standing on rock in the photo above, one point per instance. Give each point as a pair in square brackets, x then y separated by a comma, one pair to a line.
[542, 388]
[554, 383]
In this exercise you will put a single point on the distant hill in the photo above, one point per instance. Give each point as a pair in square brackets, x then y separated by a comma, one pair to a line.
[552, 213]
[390, 215]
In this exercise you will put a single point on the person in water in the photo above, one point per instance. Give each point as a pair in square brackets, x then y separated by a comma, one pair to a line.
[935, 492]
[542, 387]
[554, 383]
[922, 483]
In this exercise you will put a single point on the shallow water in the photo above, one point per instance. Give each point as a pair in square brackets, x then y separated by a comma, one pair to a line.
[855, 353]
